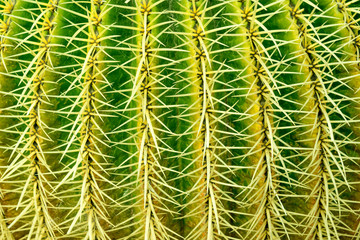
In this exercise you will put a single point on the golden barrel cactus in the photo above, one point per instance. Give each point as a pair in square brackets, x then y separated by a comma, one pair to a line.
[179, 119]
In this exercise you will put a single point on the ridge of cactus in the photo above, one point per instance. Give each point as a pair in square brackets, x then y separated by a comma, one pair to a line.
[7, 8]
[327, 160]
[322, 128]
[148, 109]
[206, 130]
[87, 125]
[27, 156]
[205, 127]
[43, 224]
[267, 218]
[148, 76]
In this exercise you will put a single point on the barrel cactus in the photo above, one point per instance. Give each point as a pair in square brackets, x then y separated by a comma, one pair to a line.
[186, 119]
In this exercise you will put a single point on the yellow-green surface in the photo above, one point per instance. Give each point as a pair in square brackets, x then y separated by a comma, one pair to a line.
[179, 119]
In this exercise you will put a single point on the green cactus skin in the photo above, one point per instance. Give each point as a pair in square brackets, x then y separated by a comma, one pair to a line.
[187, 119]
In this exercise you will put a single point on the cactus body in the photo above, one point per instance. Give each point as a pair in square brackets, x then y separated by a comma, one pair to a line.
[188, 119]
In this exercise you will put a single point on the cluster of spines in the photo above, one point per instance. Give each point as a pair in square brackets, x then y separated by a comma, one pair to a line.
[145, 100]
[31, 155]
[91, 199]
[149, 148]
[270, 212]
[320, 163]
[87, 127]
[326, 159]
[6, 11]
[209, 133]
[206, 126]
[351, 23]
